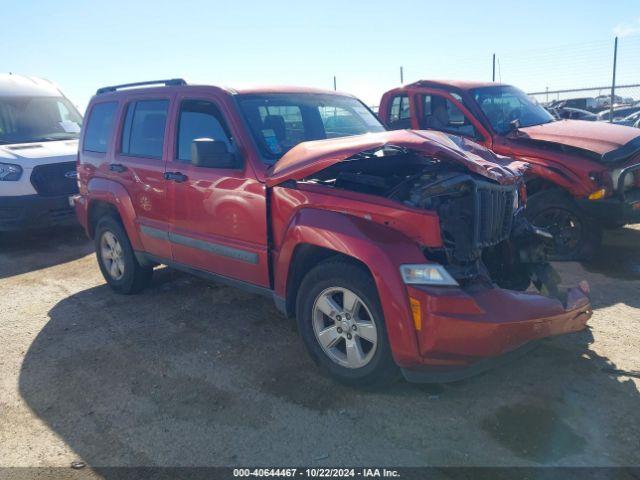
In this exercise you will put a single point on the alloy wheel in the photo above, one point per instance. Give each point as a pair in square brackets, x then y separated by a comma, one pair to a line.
[112, 255]
[566, 228]
[344, 327]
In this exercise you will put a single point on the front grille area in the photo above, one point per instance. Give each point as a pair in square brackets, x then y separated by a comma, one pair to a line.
[51, 180]
[481, 215]
[494, 213]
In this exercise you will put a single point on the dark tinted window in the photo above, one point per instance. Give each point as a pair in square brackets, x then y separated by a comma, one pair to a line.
[99, 127]
[143, 132]
[199, 119]
[399, 114]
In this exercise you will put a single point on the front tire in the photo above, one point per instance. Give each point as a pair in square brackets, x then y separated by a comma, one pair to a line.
[575, 236]
[341, 322]
[117, 259]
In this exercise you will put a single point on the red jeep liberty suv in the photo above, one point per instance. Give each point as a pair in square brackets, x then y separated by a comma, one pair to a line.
[583, 175]
[394, 251]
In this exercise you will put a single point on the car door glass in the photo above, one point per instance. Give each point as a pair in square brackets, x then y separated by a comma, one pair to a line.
[199, 119]
[143, 132]
[99, 126]
[399, 113]
[440, 113]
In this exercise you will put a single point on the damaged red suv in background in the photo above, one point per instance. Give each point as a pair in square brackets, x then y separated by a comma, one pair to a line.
[395, 251]
[584, 175]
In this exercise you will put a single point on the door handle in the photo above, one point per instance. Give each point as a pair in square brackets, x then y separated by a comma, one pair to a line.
[175, 176]
[117, 167]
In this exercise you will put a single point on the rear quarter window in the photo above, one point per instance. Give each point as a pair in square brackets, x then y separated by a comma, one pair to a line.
[99, 127]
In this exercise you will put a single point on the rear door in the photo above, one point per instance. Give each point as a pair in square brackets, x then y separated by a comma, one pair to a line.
[139, 165]
[218, 221]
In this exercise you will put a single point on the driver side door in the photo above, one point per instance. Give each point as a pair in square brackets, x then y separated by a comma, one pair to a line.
[445, 112]
[218, 222]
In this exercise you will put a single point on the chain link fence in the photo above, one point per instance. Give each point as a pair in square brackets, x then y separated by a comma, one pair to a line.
[589, 77]
[551, 74]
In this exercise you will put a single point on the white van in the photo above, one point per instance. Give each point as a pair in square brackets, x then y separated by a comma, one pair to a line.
[39, 130]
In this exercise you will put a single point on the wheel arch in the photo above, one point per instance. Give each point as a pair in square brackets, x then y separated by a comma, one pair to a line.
[315, 235]
[106, 197]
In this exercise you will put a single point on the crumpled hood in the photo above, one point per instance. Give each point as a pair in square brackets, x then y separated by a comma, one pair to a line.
[32, 154]
[598, 137]
[309, 157]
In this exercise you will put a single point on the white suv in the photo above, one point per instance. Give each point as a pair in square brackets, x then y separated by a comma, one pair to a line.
[39, 130]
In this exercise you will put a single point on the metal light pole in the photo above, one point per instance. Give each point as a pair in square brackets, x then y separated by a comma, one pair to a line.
[493, 77]
[335, 85]
[401, 76]
[613, 80]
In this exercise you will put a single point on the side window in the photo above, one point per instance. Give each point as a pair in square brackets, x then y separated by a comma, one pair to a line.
[399, 114]
[439, 113]
[99, 127]
[199, 119]
[143, 131]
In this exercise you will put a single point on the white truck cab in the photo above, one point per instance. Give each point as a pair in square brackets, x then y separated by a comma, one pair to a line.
[39, 130]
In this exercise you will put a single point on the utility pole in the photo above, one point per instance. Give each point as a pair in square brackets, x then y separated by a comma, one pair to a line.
[613, 80]
[401, 76]
[493, 77]
[335, 85]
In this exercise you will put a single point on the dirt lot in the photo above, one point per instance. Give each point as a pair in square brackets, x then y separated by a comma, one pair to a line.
[189, 373]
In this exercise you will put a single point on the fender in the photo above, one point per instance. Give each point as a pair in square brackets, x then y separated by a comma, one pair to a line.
[109, 191]
[380, 248]
[558, 174]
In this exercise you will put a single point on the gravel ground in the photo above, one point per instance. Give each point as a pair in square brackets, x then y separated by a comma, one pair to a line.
[189, 373]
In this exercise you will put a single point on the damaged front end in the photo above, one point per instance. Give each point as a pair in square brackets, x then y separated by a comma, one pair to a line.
[485, 237]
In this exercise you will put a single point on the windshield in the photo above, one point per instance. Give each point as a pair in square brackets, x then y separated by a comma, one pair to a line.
[37, 119]
[280, 121]
[504, 104]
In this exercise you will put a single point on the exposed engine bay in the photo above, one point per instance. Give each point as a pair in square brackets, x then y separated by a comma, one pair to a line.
[485, 236]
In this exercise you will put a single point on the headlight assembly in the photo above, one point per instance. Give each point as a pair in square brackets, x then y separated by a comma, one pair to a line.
[10, 172]
[426, 274]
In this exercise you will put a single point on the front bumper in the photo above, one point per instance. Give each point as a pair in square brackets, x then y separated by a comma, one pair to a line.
[615, 210]
[35, 211]
[463, 331]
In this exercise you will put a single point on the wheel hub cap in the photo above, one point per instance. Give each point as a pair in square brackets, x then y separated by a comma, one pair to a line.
[344, 327]
[112, 255]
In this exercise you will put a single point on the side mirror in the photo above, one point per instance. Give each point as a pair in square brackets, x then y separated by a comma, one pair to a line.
[206, 152]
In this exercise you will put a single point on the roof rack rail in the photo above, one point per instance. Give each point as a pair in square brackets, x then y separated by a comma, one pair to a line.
[171, 81]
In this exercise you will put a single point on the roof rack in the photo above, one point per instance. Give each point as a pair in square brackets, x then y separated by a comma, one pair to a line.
[171, 81]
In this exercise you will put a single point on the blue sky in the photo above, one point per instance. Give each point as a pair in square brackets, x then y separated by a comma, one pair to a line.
[82, 45]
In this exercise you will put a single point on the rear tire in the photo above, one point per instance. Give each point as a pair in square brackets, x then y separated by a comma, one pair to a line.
[355, 349]
[117, 259]
[576, 236]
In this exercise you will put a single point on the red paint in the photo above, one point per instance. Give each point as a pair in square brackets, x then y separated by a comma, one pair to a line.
[252, 210]
[462, 326]
[570, 171]
[309, 157]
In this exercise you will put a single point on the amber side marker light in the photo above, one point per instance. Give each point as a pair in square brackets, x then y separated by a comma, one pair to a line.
[416, 312]
[598, 194]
